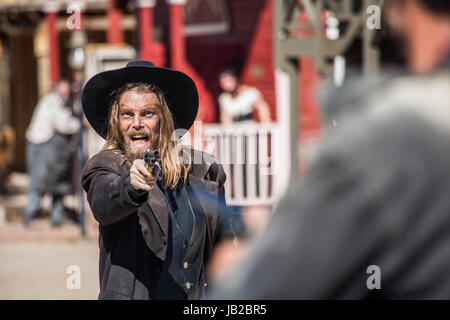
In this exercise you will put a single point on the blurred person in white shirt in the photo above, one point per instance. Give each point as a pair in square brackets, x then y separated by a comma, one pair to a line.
[238, 100]
[49, 151]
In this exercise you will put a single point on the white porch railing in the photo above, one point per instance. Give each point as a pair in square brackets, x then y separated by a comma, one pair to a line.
[251, 157]
[256, 157]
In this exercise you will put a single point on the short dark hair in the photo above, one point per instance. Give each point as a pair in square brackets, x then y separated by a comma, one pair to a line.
[437, 7]
[229, 71]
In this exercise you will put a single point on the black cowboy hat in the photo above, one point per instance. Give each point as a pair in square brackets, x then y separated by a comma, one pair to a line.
[179, 90]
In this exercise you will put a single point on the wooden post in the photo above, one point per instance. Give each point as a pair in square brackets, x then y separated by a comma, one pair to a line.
[115, 33]
[146, 28]
[51, 11]
[177, 38]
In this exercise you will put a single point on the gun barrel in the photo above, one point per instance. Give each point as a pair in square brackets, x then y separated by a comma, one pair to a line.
[150, 157]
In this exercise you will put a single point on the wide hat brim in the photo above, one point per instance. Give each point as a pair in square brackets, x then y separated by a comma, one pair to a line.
[178, 88]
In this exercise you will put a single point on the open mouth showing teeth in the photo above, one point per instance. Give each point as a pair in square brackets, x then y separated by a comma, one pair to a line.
[139, 138]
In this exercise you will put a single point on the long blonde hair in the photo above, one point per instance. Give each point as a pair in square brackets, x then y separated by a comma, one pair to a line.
[173, 168]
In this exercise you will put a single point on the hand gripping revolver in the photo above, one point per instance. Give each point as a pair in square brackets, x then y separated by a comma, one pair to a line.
[150, 158]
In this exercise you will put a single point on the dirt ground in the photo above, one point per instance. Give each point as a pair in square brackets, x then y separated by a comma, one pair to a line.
[34, 259]
[38, 269]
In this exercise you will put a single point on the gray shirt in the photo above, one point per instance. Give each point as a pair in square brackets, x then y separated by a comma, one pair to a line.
[376, 195]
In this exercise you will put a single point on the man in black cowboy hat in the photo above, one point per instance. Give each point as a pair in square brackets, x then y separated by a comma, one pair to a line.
[157, 230]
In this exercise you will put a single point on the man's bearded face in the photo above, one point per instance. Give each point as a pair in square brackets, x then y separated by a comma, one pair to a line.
[139, 122]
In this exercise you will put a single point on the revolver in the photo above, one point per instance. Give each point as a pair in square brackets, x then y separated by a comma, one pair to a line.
[150, 158]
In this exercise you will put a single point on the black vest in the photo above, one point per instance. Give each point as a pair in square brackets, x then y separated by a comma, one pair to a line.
[182, 274]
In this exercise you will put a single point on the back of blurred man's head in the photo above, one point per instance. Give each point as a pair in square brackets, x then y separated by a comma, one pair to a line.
[424, 27]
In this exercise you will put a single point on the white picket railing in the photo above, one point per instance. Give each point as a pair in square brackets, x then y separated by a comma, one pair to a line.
[250, 154]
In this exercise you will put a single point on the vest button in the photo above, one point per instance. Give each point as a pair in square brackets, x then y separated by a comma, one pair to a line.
[188, 285]
[185, 264]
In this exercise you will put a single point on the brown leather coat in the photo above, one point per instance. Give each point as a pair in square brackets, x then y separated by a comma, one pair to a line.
[133, 237]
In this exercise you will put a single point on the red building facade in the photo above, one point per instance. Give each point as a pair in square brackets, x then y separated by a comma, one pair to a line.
[246, 43]
[199, 37]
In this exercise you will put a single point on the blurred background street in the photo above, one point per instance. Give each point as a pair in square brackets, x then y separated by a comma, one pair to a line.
[37, 269]
[43, 42]
[310, 64]
[34, 259]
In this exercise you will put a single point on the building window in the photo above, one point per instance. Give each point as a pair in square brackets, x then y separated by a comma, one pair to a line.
[206, 17]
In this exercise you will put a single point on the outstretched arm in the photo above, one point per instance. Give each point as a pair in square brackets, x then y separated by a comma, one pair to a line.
[263, 110]
[112, 193]
[225, 118]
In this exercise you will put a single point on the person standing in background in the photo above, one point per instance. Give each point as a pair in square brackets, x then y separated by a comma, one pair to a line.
[238, 101]
[48, 152]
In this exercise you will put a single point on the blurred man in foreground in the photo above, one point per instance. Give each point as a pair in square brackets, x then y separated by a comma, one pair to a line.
[48, 152]
[423, 27]
[370, 219]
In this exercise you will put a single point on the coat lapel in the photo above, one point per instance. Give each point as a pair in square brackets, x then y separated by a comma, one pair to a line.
[154, 221]
[159, 208]
[203, 187]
